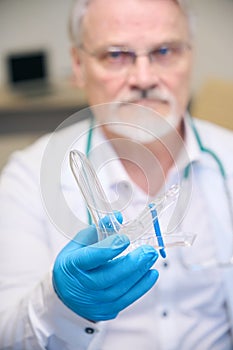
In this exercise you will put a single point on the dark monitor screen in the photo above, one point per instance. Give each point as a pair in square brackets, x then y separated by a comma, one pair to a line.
[27, 67]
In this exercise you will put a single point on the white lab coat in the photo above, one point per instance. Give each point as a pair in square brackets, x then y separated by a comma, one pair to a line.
[31, 315]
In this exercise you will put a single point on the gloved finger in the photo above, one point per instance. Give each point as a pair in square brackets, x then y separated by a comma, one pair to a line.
[127, 269]
[109, 310]
[84, 238]
[111, 223]
[123, 287]
[89, 235]
[137, 291]
[100, 253]
[118, 216]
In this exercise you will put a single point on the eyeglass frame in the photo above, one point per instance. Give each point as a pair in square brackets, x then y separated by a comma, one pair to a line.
[178, 47]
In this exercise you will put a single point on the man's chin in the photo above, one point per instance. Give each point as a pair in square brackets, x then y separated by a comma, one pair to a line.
[136, 122]
[158, 106]
[136, 134]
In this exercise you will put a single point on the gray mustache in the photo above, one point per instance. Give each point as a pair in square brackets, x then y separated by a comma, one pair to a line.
[150, 94]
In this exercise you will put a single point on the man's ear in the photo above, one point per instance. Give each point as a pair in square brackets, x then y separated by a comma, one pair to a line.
[77, 67]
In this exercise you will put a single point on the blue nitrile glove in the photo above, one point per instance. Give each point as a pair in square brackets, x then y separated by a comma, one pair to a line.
[93, 284]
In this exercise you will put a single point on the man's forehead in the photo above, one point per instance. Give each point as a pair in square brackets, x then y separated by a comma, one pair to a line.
[126, 17]
[122, 4]
[181, 3]
[111, 10]
[82, 9]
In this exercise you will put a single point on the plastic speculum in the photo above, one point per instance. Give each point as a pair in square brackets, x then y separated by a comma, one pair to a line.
[140, 230]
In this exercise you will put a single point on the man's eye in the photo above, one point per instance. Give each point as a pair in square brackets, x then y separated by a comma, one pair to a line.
[112, 56]
[163, 51]
[115, 54]
[117, 57]
[162, 54]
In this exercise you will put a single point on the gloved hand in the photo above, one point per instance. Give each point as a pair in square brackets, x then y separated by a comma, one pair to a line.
[93, 284]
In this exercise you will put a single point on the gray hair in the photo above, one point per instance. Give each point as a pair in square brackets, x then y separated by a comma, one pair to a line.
[79, 10]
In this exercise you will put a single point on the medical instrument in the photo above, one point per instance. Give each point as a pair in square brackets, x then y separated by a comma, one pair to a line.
[157, 230]
[140, 230]
[186, 175]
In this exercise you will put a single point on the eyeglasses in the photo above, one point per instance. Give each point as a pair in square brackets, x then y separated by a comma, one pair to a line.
[117, 58]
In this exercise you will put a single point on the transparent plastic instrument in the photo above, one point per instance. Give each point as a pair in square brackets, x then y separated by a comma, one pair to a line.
[142, 230]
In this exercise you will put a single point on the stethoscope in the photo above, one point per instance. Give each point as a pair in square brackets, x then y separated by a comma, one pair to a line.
[222, 172]
[219, 163]
[186, 174]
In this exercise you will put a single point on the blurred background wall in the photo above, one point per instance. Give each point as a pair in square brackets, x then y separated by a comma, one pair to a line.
[212, 97]
[32, 24]
[214, 50]
[27, 25]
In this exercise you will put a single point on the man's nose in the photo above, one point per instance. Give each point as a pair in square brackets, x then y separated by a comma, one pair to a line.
[142, 75]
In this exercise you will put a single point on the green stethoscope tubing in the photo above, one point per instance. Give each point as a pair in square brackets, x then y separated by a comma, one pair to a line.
[187, 168]
[205, 150]
[219, 163]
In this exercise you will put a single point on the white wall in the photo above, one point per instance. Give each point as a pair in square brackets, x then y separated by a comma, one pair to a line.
[27, 24]
[214, 32]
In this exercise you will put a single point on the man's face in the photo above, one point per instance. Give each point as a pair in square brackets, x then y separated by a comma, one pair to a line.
[141, 26]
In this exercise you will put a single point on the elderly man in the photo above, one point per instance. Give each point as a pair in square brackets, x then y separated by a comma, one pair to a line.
[85, 294]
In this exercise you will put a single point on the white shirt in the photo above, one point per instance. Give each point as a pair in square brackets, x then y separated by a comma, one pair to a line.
[184, 310]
